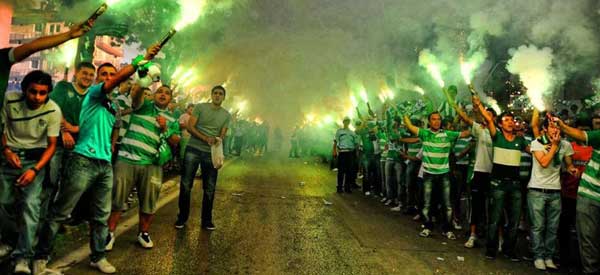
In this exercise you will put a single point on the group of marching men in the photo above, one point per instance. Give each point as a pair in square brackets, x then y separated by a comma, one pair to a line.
[543, 178]
[100, 135]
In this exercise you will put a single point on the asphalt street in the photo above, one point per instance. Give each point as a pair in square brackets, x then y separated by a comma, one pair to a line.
[276, 215]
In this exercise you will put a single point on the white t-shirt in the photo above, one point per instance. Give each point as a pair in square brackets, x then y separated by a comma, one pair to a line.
[484, 152]
[549, 177]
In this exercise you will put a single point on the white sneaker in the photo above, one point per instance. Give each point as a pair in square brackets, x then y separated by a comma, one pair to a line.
[416, 217]
[396, 209]
[539, 264]
[22, 266]
[5, 250]
[39, 266]
[550, 264]
[383, 200]
[425, 233]
[456, 225]
[110, 241]
[471, 242]
[388, 202]
[450, 235]
[104, 266]
[367, 193]
[144, 240]
[500, 243]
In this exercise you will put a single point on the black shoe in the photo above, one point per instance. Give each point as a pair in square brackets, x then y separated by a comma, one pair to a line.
[179, 224]
[490, 255]
[348, 191]
[209, 226]
[513, 257]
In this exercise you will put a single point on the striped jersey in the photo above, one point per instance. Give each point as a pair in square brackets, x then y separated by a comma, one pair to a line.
[436, 150]
[460, 145]
[507, 156]
[526, 161]
[140, 143]
[589, 186]
[124, 101]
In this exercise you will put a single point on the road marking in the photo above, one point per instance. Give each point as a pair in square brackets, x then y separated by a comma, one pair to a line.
[66, 262]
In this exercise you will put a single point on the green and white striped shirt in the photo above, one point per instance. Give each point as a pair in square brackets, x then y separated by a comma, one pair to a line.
[140, 143]
[436, 150]
[589, 186]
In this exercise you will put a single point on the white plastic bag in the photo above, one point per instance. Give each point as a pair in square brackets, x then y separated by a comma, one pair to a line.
[216, 152]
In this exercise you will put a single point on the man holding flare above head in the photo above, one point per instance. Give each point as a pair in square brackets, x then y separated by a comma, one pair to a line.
[90, 166]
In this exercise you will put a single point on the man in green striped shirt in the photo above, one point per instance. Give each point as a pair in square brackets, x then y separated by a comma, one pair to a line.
[588, 201]
[137, 163]
[437, 146]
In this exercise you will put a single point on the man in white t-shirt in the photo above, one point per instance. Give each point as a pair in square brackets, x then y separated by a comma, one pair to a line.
[543, 196]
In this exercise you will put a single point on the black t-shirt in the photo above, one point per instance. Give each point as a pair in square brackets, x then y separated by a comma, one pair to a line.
[5, 66]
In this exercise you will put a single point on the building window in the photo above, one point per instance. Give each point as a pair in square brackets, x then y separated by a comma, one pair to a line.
[57, 28]
[52, 28]
[38, 27]
[35, 64]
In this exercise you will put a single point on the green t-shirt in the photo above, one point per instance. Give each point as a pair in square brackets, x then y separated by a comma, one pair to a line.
[526, 162]
[6, 62]
[589, 186]
[124, 102]
[96, 120]
[140, 144]
[436, 150]
[69, 101]
[367, 143]
[507, 156]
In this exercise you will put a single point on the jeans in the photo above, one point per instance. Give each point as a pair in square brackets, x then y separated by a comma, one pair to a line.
[480, 186]
[371, 168]
[544, 213]
[81, 174]
[441, 181]
[457, 189]
[53, 172]
[393, 172]
[26, 202]
[346, 170]
[567, 235]
[588, 232]
[410, 178]
[192, 159]
[504, 194]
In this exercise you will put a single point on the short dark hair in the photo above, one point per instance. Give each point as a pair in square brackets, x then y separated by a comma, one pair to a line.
[36, 77]
[106, 64]
[190, 105]
[218, 87]
[433, 113]
[85, 64]
[505, 114]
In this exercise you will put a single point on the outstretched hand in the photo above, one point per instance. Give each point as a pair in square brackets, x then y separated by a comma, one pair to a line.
[81, 29]
[152, 51]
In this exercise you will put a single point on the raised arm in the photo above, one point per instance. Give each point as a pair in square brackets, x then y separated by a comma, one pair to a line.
[488, 118]
[412, 128]
[575, 133]
[128, 70]
[46, 42]
[535, 123]
[463, 115]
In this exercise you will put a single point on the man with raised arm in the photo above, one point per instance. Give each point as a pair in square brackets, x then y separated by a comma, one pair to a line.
[90, 168]
[505, 191]
[588, 200]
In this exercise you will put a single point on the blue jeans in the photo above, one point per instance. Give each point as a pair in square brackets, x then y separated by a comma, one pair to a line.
[544, 214]
[503, 194]
[26, 202]
[81, 174]
[192, 159]
[393, 172]
[588, 233]
[442, 181]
